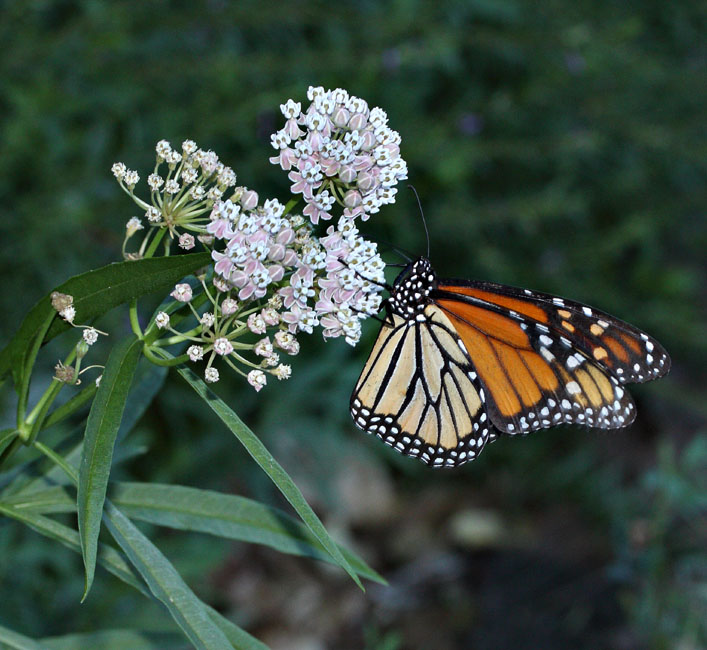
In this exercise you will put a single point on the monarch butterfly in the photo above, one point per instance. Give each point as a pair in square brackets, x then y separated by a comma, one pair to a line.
[457, 361]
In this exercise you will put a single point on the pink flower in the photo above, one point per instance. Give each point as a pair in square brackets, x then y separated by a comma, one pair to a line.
[220, 228]
[257, 379]
[186, 241]
[256, 324]
[223, 346]
[182, 293]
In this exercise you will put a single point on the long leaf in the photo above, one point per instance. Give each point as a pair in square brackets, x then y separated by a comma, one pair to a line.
[223, 515]
[272, 468]
[95, 293]
[165, 582]
[114, 562]
[111, 640]
[52, 500]
[108, 557]
[11, 639]
[148, 381]
[101, 430]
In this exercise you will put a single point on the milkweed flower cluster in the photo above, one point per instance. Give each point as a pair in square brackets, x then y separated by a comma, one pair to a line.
[332, 281]
[276, 274]
[273, 280]
[183, 186]
[338, 150]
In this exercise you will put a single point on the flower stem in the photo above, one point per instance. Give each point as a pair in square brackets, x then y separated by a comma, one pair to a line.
[155, 243]
[134, 321]
[290, 204]
[26, 370]
[152, 356]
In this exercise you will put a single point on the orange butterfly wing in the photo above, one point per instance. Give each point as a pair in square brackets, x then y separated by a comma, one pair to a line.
[544, 360]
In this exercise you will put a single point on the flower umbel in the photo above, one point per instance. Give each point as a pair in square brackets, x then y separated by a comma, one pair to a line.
[344, 154]
[276, 274]
[182, 195]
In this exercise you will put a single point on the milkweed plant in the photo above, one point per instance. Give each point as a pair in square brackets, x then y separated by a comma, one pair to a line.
[245, 277]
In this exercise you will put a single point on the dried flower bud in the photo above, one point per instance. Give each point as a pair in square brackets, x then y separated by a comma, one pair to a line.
[223, 346]
[65, 374]
[282, 372]
[186, 241]
[90, 335]
[134, 224]
[61, 301]
[229, 306]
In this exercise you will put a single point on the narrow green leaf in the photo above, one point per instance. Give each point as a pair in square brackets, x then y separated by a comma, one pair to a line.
[6, 435]
[70, 406]
[95, 293]
[101, 430]
[165, 582]
[223, 515]
[111, 640]
[271, 467]
[49, 501]
[108, 557]
[11, 639]
[42, 473]
[148, 381]
[237, 636]
[114, 562]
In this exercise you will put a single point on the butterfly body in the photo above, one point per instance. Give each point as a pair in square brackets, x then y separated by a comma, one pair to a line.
[458, 361]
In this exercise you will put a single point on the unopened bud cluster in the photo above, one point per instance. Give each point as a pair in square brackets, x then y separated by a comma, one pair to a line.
[183, 186]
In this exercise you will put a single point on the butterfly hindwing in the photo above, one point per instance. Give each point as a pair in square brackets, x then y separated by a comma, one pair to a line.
[420, 394]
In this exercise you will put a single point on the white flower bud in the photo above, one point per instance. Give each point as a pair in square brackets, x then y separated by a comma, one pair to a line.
[257, 379]
[211, 375]
[195, 353]
[162, 320]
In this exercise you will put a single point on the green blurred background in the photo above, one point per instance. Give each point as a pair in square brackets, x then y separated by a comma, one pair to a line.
[557, 146]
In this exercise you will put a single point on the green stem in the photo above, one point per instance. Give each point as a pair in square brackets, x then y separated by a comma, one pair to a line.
[155, 243]
[134, 320]
[28, 363]
[151, 354]
[36, 418]
[290, 204]
[33, 422]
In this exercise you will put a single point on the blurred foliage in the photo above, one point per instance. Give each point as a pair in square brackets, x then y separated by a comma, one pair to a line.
[558, 146]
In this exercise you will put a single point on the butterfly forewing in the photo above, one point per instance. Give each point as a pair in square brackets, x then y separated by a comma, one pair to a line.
[419, 393]
[628, 353]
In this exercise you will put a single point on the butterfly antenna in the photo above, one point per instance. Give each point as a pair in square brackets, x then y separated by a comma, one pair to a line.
[407, 255]
[422, 214]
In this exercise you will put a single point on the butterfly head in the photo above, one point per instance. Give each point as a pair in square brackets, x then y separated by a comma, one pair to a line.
[412, 289]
